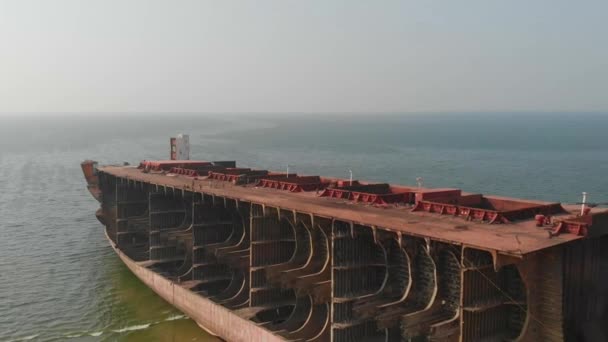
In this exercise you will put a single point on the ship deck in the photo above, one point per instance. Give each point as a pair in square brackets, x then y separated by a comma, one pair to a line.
[515, 239]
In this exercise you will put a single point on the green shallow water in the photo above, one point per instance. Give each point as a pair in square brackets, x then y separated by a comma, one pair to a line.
[136, 313]
[60, 280]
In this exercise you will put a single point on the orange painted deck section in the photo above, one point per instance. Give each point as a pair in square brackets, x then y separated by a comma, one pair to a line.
[515, 239]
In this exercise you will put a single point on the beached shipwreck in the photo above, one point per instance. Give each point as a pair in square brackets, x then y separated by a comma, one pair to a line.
[254, 255]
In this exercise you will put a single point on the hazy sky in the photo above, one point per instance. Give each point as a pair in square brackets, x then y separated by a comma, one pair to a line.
[303, 56]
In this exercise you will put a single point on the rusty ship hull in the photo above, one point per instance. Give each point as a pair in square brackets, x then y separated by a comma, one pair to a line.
[213, 318]
[253, 255]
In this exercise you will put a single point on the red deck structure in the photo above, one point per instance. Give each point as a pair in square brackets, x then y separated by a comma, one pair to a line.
[490, 209]
[293, 183]
[379, 194]
[184, 172]
[237, 175]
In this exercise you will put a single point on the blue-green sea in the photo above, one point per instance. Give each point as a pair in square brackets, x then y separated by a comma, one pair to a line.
[59, 280]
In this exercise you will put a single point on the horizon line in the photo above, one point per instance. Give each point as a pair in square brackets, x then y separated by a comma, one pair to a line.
[319, 112]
